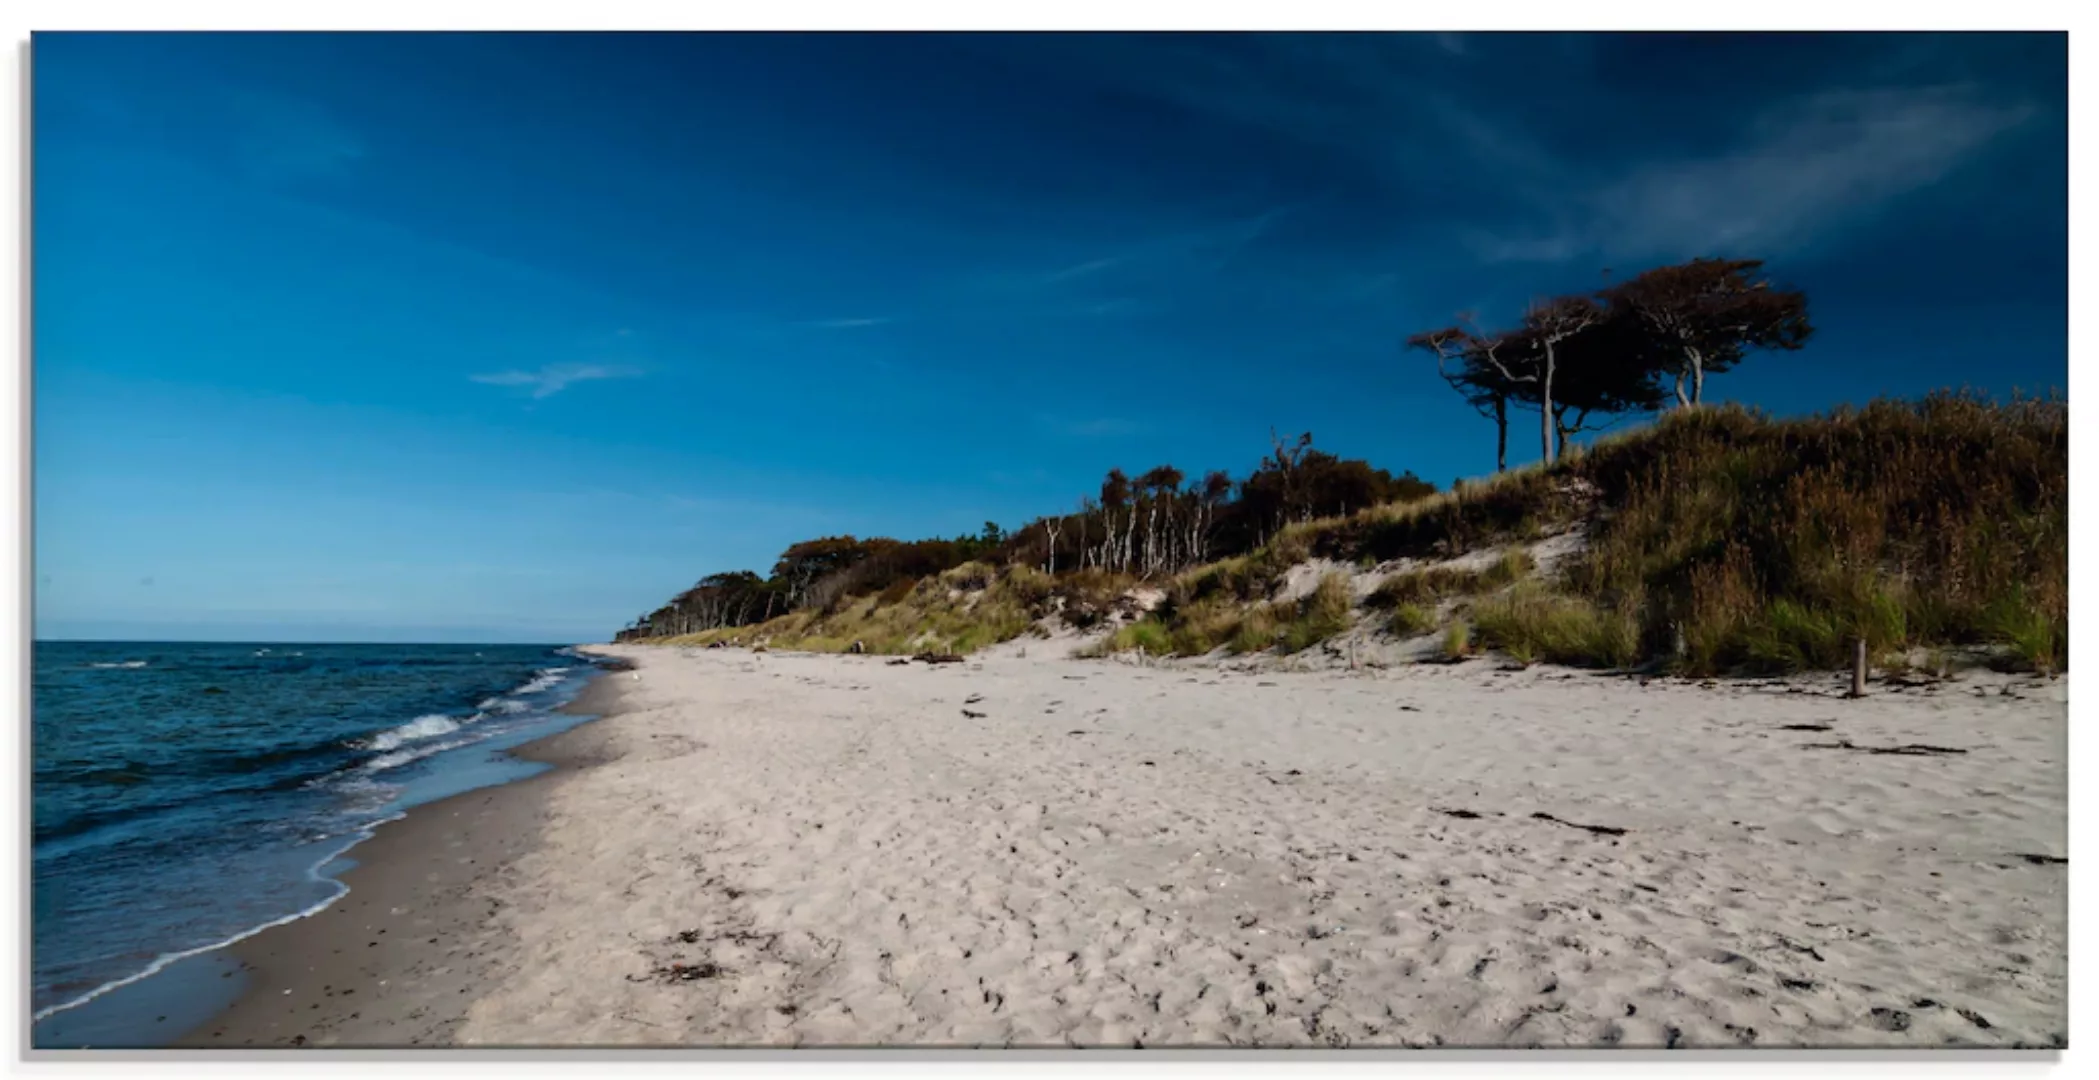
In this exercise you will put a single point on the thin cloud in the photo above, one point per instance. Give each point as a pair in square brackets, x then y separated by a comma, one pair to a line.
[1453, 43]
[851, 324]
[1210, 245]
[1804, 171]
[1101, 427]
[1084, 269]
[278, 138]
[554, 378]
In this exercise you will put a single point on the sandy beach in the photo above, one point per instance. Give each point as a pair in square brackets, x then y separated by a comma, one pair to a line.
[798, 850]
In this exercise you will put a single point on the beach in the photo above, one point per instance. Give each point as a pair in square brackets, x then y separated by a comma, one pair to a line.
[769, 849]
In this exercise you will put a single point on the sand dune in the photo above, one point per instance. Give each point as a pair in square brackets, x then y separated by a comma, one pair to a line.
[804, 850]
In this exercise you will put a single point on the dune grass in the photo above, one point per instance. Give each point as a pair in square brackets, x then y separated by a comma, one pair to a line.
[1772, 545]
[1718, 540]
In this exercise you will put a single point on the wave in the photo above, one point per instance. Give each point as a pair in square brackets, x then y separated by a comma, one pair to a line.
[543, 679]
[503, 706]
[120, 664]
[422, 727]
[398, 758]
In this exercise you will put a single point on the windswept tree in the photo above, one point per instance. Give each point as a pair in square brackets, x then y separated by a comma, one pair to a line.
[1548, 325]
[1571, 358]
[1604, 374]
[804, 564]
[1702, 317]
[1462, 358]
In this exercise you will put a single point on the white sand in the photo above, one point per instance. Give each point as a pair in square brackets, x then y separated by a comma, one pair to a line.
[1115, 854]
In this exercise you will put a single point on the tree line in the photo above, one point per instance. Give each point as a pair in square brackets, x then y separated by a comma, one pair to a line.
[1153, 525]
[1580, 361]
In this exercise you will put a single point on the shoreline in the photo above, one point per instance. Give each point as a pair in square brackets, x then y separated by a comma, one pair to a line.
[413, 914]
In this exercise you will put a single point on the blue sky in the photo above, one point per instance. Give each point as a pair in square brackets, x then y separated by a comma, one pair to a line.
[476, 337]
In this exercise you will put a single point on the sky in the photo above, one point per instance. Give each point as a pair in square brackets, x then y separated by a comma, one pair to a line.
[471, 337]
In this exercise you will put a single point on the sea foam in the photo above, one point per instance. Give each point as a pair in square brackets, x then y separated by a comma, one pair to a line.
[398, 758]
[543, 679]
[422, 727]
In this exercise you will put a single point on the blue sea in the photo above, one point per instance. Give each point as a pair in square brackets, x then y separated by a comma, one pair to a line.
[186, 795]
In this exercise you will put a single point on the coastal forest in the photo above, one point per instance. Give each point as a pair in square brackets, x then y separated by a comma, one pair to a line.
[1714, 540]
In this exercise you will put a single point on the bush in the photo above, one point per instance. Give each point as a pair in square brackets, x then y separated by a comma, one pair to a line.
[1090, 595]
[970, 577]
[1256, 632]
[897, 591]
[1320, 615]
[1514, 565]
[1029, 586]
[1457, 641]
[1531, 623]
[1199, 629]
[1144, 635]
[1410, 619]
[2034, 637]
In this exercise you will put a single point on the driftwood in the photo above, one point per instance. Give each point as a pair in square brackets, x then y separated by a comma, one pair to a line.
[937, 658]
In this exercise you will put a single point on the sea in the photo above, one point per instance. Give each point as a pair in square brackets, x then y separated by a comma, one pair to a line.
[185, 796]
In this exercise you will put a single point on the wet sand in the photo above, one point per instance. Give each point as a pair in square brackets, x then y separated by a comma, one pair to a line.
[397, 960]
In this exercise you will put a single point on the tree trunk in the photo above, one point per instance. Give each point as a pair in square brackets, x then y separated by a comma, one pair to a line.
[1682, 401]
[1501, 439]
[1697, 377]
[1545, 416]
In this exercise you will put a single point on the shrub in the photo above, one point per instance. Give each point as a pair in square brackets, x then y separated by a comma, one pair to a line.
[1457, 640]
[1423, 586]
[1791, 637]
[1410, 619]
[970, 576]
[1256, 632]
[897, 591]
[1199, 629]
[2034, 639]
[1027, 585]
[1532, 623]
[1320, 615]
[1145, 635]
[1090, 595]
[1514, 565]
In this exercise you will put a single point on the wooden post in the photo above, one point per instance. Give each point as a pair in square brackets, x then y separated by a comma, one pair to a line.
[1858, 670]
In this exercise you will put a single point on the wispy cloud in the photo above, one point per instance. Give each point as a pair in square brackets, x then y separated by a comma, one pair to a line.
[1084, 269]
[1802, 172]
[554, 378]
[1453, 43]
[1206, 245]
[280, 138]
[852, 324]
[1100, 427]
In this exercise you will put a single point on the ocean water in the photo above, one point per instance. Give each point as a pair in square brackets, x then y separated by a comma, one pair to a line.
[184, 795]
